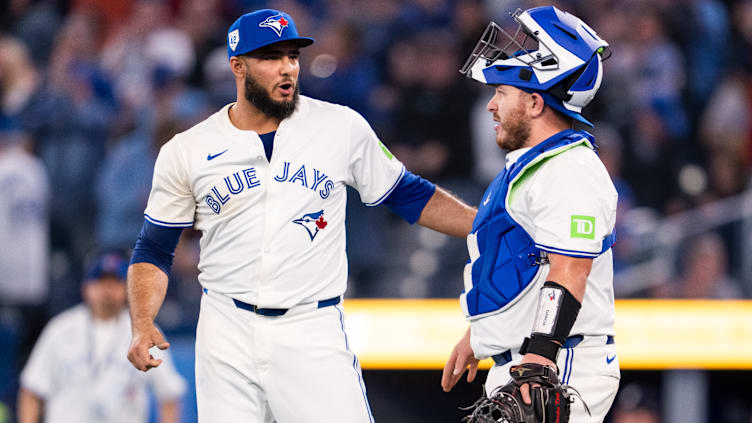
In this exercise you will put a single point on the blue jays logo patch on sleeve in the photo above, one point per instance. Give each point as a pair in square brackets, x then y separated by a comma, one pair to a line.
[312, 222]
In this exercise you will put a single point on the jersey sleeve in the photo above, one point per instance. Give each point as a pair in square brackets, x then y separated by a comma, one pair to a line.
[171, 201]
[573, 204]
[165, 380]
[37, 375]
[373, 169]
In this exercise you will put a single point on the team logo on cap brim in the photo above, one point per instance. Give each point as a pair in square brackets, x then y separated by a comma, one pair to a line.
[277, 22]
[233, 38]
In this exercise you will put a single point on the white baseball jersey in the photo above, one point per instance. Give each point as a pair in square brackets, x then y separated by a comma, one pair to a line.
[24, 225]
[79, 368]
[272, 231]
[568, 206]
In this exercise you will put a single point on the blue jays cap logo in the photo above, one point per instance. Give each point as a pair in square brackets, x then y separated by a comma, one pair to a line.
[277, 22]
[312, 222]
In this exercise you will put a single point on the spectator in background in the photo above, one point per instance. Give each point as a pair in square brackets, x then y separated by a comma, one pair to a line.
[204, 37]
[78, 371]
[35, 22]
[432, 115]
[636, 404]
[24, 262]
[610, 150]
[68, 115]
[704, 272]
[128, 167]
[340, 71]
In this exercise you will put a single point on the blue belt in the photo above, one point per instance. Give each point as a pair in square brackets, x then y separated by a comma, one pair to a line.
[571, 342]
[277, 311]
[280, 311]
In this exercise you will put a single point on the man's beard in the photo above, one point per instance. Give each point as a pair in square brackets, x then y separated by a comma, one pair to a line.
[516, 130]
[260, 98]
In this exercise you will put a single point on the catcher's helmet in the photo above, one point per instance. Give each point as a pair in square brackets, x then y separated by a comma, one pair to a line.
[552, 52]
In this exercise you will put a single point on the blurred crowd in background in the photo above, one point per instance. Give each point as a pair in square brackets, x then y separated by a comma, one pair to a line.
[90, 90]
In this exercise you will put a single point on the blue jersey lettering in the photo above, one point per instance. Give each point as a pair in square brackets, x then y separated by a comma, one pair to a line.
[285, 172]
[300, 176]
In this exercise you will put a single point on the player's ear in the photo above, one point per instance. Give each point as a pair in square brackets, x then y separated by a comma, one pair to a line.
[536, 105]
[238, 67]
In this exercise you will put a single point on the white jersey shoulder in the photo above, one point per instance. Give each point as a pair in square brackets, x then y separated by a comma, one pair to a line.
[271, 222]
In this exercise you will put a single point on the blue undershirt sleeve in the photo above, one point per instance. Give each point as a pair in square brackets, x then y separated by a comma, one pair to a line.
[156, 245]
[410, 197]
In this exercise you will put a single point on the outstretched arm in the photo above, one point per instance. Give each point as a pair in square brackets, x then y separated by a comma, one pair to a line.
[29, 407]
[147, 286]
[448, 214]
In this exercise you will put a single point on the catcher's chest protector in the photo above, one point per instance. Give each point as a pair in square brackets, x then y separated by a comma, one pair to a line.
[504, 259]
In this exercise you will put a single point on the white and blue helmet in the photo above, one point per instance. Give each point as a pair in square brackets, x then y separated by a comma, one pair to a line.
[552, 52]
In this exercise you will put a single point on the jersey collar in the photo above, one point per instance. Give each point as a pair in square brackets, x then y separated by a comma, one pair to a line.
[512, 156]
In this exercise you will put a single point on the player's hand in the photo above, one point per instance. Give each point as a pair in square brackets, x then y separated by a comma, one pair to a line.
[533, 358]
[142, 341]
[462, 358]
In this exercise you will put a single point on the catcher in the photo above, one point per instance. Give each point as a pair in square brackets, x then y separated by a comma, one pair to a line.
[539, 282]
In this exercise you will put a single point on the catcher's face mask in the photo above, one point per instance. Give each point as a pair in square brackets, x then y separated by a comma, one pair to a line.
[498, 44]
[551, 51]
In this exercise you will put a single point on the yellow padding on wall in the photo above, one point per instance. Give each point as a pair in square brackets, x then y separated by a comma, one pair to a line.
[650, 334]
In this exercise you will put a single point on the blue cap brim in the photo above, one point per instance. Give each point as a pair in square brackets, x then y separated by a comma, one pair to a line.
[302, 42]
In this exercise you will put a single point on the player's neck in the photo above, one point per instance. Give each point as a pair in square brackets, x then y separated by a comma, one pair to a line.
[245, 116]
[544, 130]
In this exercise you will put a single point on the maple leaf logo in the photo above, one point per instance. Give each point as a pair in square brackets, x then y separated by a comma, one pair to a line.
[321, 223]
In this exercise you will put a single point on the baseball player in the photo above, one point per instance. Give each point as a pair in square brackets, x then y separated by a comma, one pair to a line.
[77, 373]
[539, 282]
[264, 180]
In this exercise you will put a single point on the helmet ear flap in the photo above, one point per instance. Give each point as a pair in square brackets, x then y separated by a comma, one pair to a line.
[583, 89]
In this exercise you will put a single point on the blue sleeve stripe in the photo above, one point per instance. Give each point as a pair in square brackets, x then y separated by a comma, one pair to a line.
[156, 245]
[571, 253]
[386, 194]
[410, 197]
[168, 224]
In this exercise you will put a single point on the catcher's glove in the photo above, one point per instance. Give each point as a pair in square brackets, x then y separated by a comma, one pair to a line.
[550, 399]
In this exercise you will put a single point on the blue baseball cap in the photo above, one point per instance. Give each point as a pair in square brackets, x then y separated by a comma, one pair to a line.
[262, 28]
[112, 263]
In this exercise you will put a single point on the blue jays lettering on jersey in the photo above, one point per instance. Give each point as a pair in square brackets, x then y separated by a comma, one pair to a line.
[319, 181]
[258, 217]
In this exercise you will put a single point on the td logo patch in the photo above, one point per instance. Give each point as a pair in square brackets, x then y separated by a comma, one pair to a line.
[312, 222]
[582, 227]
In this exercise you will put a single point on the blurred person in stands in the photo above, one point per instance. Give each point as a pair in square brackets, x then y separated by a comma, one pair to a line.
[704, 272]
[146, 43]
[68, 114]
[611, 147]
[24, 262]
[340, 71]
[77, 372]
[432, 116]
[129, 166]
[636, 404]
